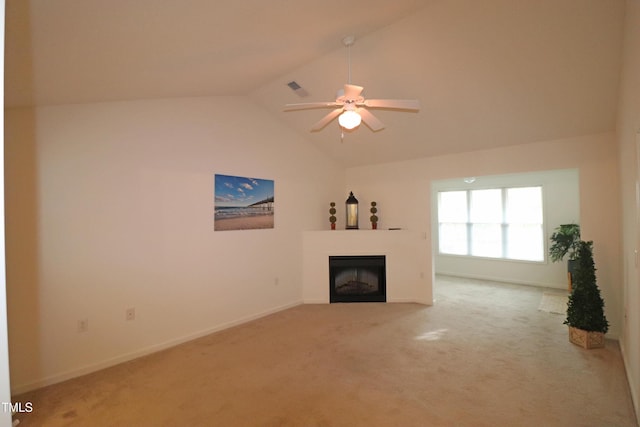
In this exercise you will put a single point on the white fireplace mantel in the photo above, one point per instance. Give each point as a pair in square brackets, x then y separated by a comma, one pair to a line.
[408, 269]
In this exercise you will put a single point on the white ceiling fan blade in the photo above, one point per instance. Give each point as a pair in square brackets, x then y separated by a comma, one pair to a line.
[352, 91]
[326, 119]
[370, 120]
[309, 105]
[398, 104]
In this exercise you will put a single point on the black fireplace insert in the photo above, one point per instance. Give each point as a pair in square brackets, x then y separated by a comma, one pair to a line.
[357, 278]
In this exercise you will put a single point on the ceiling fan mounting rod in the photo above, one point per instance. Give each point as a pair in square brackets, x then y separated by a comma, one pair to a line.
[348, 41]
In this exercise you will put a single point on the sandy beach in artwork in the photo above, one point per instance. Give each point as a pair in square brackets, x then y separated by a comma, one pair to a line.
[244, 223]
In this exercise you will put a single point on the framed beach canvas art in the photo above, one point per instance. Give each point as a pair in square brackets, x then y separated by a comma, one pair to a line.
[242, 203]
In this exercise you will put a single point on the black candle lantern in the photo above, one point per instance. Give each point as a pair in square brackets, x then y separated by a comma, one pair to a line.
[352, 212]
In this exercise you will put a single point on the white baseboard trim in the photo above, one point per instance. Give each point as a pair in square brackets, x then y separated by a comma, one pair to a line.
[406, 301]
[400, 300]
[501, 280]
[633, 387]
[315, 301]
[93, 367]
[390, 300]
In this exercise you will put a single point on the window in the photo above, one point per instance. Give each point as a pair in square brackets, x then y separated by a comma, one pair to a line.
[494, 223]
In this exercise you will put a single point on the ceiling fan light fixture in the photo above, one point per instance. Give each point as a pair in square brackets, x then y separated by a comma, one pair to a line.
[350, 106]
[349, 119]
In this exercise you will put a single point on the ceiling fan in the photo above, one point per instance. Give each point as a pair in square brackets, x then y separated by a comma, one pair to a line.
[352, 106]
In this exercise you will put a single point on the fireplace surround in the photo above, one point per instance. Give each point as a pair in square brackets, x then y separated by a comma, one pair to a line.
[359, 278]
[408, 264]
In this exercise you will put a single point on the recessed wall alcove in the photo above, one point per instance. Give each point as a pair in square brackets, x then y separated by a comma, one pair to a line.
[408, 271]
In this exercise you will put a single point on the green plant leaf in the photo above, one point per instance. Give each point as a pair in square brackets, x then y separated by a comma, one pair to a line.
[585, 309]
[564, 241]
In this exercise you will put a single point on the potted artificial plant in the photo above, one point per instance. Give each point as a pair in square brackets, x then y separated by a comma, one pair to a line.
[585, 309]
[332, 213]
[565, 241]
[373, 218]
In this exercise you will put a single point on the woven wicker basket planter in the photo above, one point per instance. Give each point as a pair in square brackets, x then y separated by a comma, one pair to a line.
[586, 339]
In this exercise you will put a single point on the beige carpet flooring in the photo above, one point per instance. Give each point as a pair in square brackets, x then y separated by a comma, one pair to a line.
[483, 355]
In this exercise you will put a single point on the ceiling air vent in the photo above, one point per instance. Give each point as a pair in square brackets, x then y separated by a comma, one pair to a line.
[297, 89]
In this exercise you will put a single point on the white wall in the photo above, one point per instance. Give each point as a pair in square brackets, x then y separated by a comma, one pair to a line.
[403, 193]
[5, 392]
[629, 145]
[110, 206]
[561, 204]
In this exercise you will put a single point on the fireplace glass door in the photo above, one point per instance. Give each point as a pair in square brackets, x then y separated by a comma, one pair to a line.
[357, 278]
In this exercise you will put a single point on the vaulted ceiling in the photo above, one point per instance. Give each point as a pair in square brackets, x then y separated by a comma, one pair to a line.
[487, 73]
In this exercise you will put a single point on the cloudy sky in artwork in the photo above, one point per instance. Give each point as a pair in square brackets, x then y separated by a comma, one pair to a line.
[237, 191]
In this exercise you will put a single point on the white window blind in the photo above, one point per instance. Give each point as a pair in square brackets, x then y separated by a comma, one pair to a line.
[493, 223]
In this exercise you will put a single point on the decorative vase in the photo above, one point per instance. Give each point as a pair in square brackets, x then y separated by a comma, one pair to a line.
[333, 225]
[586, 339]
[571, 272]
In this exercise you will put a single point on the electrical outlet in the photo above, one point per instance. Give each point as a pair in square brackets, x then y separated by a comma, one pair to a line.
[130, 314]
[83, 325]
